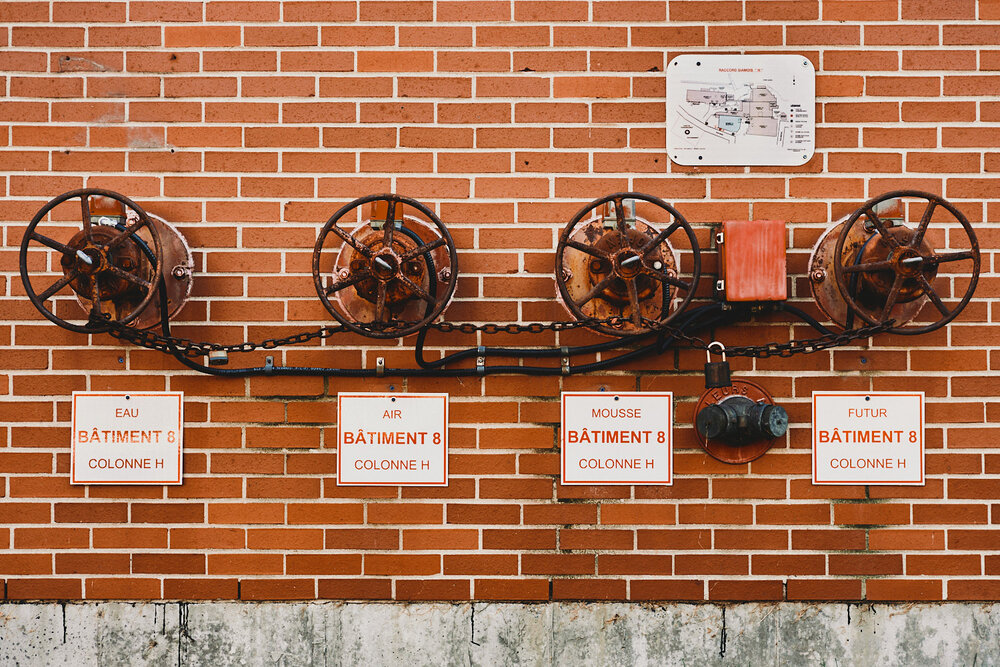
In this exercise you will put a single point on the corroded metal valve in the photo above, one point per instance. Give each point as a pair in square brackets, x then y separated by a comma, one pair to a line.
[112, 263]
[610, 262]
[908, 256]
[389, 273]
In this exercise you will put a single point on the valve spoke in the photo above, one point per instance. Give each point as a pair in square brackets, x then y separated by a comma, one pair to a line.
[95, 294]
[933, 295]
[619, 215]
[598, 288]
[884, 265]
[417, 289]
[633, 299]
[925, 221]
[58, 285]
[347, 282]
[131, 277]
[660, 238]
[85, 217]
[124, 236]
[949, 257]
[380, 302]
[52, 243]
[892, 297]
[883, 231]
[351, 241]
[390, 223]
[590, 250]
[424, 249]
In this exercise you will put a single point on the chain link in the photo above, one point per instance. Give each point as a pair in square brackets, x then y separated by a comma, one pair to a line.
[171, 344]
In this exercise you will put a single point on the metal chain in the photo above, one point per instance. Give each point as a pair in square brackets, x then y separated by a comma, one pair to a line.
[792, 347]
[514, 328]
[808, 346]
[190, 348]
[170, 344]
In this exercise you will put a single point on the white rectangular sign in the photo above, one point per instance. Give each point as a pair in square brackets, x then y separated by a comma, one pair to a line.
[868, 437]
[753, 109]
[127, 437]
[392, 439]
[617, 438]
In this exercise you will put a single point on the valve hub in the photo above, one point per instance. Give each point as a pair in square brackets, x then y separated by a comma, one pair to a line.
[624, 265]
[385, 266]
[126, 256]
[873, 286]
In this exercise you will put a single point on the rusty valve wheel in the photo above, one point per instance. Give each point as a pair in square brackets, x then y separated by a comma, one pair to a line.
[885, 275]
[109, 260]
[392, 274]
[609, 263]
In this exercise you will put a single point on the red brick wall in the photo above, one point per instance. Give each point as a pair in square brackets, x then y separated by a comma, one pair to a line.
[247, 124]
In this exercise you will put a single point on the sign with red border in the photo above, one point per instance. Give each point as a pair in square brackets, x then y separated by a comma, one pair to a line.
[127, 437]
[617, 438]
[874, 437]
[392, 439]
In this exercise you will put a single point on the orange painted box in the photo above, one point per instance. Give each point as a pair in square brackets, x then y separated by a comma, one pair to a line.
[752, 260]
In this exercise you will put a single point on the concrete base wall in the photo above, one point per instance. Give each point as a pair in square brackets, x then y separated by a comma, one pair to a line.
[332, 633]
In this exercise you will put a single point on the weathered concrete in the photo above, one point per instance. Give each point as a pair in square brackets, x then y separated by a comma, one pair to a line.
[575, 634]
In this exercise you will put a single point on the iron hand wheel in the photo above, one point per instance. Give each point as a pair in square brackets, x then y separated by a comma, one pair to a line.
[392, 275]
[897, 265]
[622, 268]
[110, 262]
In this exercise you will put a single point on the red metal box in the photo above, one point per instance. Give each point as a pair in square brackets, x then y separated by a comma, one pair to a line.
[752, 260]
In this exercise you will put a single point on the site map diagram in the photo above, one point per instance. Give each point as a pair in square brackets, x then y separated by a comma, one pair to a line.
[740, 110]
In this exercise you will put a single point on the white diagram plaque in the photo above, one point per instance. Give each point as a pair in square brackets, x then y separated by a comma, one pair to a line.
[741, 110]
[617, 438]
[868, 438]
[392, 439]
[127, 437]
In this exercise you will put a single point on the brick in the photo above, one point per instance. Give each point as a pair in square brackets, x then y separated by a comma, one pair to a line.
[131, 588]
[937, 9]
[866, 564]
[511, 589]
[711, 564]
[668, 36]
[158, 11]
[901, 589]
[43, 589]
[274, 589]
[439, 589]
[129, 537]
[588, 589]
[306, 10]
[871, 514]
[819, 589]
[666, 589]
[92, 563]
[200, 589]
[734, 590]
[90, 512]
[355, 589]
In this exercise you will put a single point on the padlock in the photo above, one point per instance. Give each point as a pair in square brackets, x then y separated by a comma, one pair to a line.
[717, 373]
